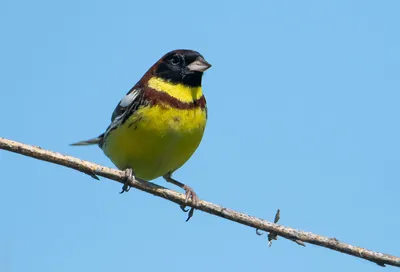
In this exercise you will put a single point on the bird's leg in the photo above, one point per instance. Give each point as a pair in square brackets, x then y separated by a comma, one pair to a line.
[129, 175]
[189, 193]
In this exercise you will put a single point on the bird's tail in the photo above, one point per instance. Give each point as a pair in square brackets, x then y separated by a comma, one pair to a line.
[97, 140]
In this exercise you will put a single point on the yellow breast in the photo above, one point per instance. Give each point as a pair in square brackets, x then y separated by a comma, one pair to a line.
[156, 140]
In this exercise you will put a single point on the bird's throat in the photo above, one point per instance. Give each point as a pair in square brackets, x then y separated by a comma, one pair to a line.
[179, 91]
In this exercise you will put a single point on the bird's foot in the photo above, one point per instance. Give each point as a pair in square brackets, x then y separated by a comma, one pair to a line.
[129, 176]
[190, 194]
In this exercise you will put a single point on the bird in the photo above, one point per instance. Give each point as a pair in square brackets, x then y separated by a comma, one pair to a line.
[158, 125]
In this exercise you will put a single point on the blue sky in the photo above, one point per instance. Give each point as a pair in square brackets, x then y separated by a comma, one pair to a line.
[303, 116]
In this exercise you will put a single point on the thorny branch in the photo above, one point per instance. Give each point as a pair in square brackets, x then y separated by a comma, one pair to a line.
[298, 236]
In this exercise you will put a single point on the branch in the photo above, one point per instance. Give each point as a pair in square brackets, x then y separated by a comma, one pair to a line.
[295, 235]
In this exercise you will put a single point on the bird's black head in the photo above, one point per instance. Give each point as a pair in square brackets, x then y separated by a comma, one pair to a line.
[182, 66]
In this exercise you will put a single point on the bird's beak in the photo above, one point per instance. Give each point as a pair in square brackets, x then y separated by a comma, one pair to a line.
[199, 65]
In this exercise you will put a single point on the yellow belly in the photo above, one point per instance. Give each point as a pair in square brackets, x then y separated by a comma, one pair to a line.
[156, 140]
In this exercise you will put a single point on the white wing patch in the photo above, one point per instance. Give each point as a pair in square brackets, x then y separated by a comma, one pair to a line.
[129, 98]
[126, 106]
[125, 103]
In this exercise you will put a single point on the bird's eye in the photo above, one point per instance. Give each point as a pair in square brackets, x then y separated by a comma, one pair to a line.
[175, 60]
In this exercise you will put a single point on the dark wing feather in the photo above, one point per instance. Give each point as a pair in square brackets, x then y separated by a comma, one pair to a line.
[132, 98]
[125, 108]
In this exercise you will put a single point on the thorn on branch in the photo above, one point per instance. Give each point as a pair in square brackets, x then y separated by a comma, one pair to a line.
[299, 242]
[381, 264]
[277, 216]
[258, 232]
[274, 235]
[271, 235]
[93, 175]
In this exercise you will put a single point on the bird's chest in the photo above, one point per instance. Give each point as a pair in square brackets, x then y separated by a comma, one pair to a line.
[172, 132]
[171, 121]
[157, 140]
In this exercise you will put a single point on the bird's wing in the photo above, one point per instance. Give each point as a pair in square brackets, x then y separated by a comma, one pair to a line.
[128, 103]
[125, 108]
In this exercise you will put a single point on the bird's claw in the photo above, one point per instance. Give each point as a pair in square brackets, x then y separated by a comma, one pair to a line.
[190, 214]
[190, 194]
[128, 177]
